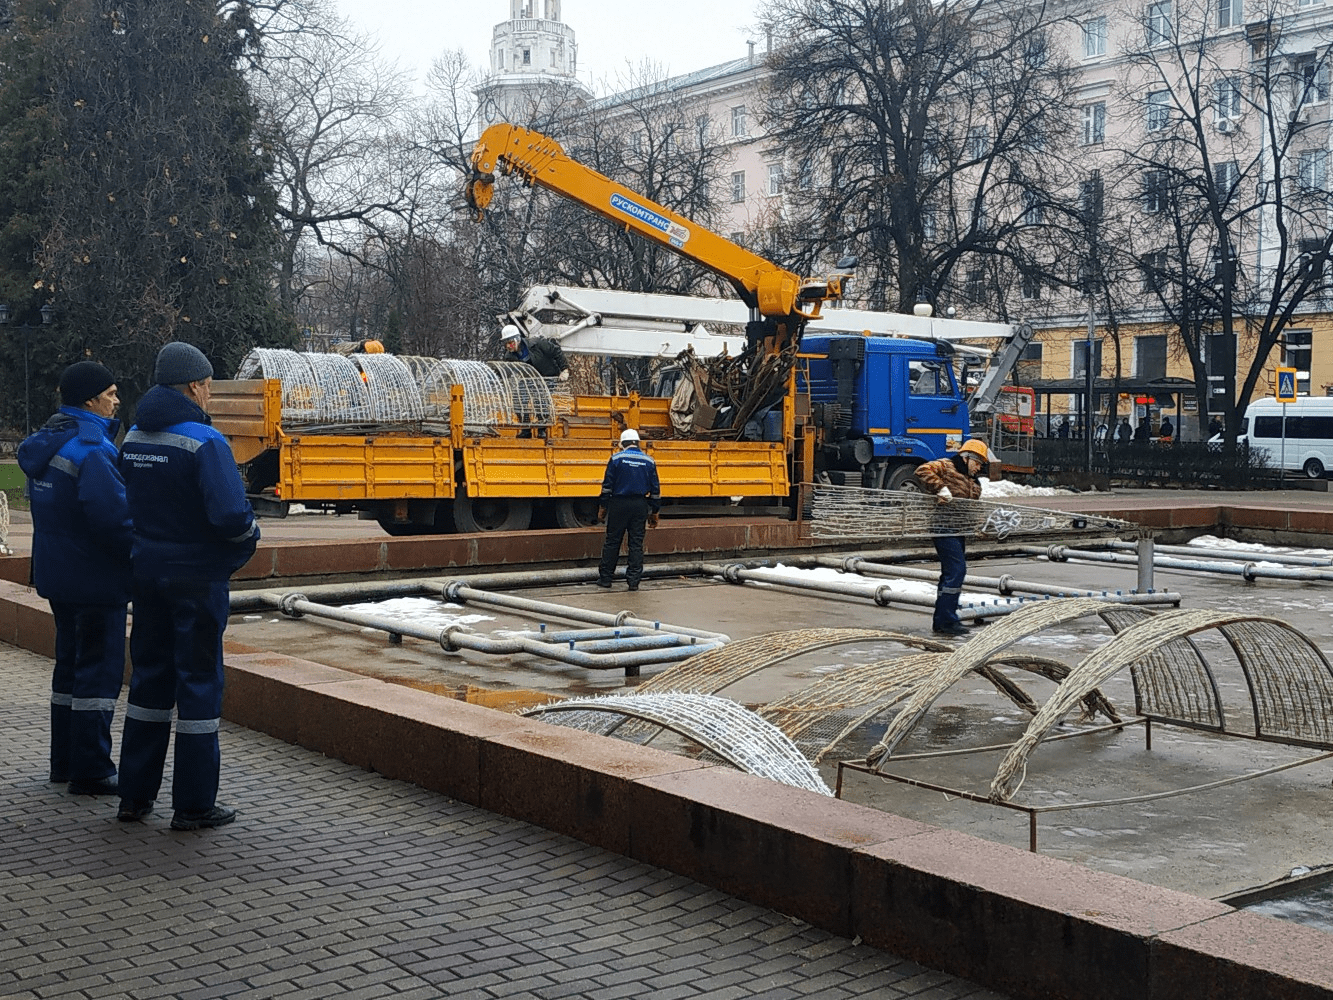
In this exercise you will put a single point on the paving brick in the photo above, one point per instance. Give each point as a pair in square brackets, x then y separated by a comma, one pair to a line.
[336, 881]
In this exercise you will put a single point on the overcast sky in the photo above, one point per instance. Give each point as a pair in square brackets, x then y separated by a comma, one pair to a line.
[679, 35]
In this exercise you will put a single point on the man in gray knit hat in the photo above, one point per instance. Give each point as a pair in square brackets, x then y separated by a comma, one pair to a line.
[193, 528]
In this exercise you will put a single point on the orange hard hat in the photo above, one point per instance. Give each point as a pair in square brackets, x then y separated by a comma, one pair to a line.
[975, 446]
[374, 347]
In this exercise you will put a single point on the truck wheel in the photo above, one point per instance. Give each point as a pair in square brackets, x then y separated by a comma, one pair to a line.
[577, 513]
[491, 514]
[1314, 469]
[903, 478]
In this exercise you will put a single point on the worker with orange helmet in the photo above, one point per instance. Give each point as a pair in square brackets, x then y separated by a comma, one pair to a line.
[956, 476]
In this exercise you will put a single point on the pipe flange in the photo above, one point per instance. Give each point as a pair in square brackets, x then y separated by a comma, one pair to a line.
[624, 617]
[1249, 572]
[732, 573]
[450, 590]
[288, 605]
[1057, 553]
[1006, 584]
[852, 564]
[446, 642]
[883, 595]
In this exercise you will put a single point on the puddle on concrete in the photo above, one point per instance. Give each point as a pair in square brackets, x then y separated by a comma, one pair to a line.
[1312, 907]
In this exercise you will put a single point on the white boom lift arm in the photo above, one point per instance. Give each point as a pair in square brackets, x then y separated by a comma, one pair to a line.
[652, 325]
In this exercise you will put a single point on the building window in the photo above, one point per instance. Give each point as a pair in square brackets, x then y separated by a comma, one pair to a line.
[1081, 358]
[1226, 175]
[527, 57]
[1159, 110]
[976, 285]
[1029, 364]
[1090, 199]
[837, 172]
[636, 142]
[737, 187]
[1311, 80]
[1153, 268]
[1154, 191]
[1094, 37]
[1159, 22]
[1312, 169]
[1312, 258]
[553, 63]
[1034, 210]
[805, 175]
[739, 125]
[775, 178]
[978, 142]
[1030, 289]
[928, 228]
[1228, 99]
[1094, 123]
[502, 60]
[1228, 13]
[1150, 357]
[1035, 52]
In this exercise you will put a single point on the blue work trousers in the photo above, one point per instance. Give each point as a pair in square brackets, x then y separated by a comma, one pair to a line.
[624, 515]
[953, 567]
[89, 670]
[176, 653]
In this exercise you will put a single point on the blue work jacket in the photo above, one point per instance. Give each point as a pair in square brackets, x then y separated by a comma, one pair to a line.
[631, 473]
[80, 517]
[191, 517]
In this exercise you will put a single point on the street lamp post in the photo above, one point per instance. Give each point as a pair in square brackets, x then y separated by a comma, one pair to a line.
[5, 314]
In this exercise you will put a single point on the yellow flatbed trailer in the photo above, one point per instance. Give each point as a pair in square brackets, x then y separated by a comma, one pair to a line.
[412, 480]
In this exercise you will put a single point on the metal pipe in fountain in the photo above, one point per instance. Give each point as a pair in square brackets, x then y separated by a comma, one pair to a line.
[562, 647]
[1004, 584]
[884, 595]
[1249, 571]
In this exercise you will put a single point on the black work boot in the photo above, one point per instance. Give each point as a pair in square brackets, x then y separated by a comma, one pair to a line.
[208, 818]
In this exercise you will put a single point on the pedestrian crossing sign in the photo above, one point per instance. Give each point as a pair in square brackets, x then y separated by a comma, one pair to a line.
[1286, 385]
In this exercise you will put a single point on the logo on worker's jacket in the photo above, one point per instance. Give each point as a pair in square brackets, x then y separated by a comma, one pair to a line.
[675, 232]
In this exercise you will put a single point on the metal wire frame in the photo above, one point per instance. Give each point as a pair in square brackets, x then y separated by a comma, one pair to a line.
[1033, 811]
[725, 729]
[1289, 680]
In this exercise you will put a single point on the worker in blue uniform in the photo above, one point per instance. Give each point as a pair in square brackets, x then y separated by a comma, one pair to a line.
[630, 500]
[81, 565]
[193, 528]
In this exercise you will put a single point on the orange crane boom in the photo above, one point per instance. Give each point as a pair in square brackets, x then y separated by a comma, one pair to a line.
[770, 291]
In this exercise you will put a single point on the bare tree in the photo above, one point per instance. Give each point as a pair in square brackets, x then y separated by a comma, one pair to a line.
[924, 137]
[1227, 185]
[329, 106]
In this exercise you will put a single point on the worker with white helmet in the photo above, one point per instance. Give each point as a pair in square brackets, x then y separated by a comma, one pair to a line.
[547, 356]
[957, 476]
[630, 499]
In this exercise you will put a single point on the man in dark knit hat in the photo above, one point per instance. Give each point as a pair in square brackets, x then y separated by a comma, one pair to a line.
[193, 529]
[81, 565]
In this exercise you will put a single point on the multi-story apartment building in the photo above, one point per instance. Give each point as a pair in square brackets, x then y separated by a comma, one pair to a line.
[1201, 128]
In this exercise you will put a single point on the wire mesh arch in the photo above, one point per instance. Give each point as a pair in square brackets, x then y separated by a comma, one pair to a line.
[1017, 626]
[486, 399]
[1292, 672]
[4, 522]
[725, 729]
[1171, 681]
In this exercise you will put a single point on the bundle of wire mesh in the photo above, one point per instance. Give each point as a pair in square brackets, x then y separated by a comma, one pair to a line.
[860, 512]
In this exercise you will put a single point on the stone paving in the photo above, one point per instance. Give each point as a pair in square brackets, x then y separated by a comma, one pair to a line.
[335, 882]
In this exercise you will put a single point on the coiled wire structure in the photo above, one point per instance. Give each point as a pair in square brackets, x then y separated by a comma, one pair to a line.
[4, 524]
[336, 392]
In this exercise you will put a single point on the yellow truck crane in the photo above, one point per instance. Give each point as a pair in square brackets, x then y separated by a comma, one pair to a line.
[787, 407]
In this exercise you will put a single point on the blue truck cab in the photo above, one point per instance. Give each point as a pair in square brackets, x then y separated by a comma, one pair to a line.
[883, 406]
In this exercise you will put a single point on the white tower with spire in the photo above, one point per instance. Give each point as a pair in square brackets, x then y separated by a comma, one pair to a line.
[532, 52]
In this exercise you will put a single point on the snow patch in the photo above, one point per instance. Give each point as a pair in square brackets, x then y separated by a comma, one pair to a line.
[993, 489]
[419, 611]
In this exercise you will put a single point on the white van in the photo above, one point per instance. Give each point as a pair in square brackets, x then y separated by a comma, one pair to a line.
[1309, 433]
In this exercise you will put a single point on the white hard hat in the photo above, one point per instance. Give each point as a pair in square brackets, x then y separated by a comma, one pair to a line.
[629, 436]
[510, 332]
